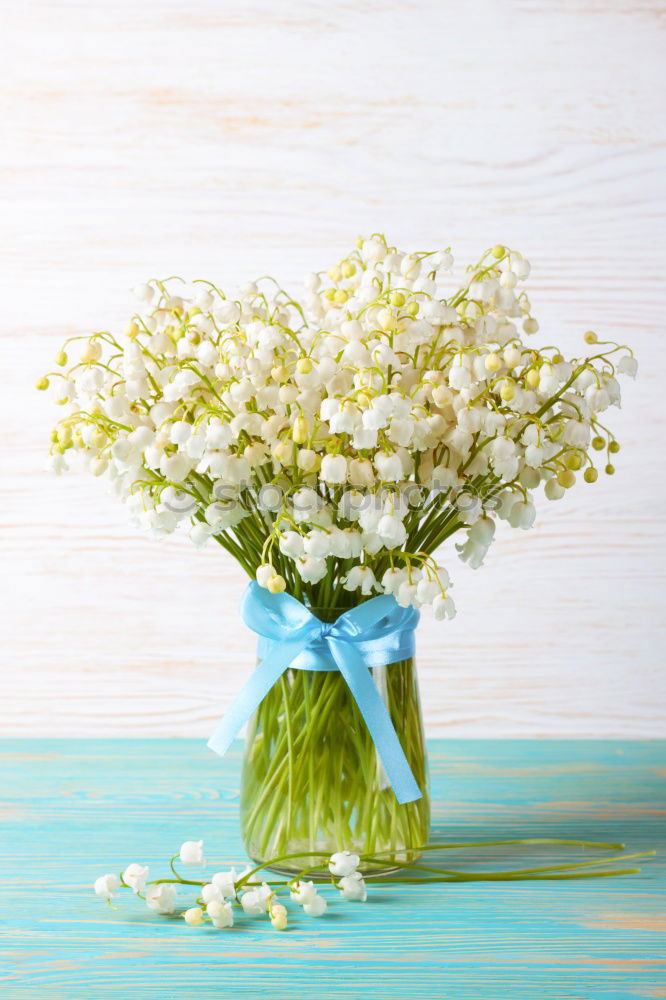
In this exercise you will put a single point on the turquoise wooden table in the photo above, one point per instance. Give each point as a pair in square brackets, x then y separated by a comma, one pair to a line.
[74, 809]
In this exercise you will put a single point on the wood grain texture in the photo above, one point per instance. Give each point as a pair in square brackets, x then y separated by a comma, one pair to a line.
[71, 809]
[231, 139]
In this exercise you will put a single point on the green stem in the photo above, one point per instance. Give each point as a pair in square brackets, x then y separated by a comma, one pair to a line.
[528, 841]
[529, 871]
[490, 877]
[311, 774]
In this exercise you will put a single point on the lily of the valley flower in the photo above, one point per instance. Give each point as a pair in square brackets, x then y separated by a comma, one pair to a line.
[315, 907]
[191, 852]
[106, 885]
[343, 863]
[333, 469]
[303, 892]
[261, 898]
[360, 578]
[225, 882]
[135, 876]
[255, 901]
[220, 414]
[278, 915]
[221, 914]
[353, 887]
[162, 897]
[211, 893]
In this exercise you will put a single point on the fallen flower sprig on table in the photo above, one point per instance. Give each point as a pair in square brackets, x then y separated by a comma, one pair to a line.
[254, 897]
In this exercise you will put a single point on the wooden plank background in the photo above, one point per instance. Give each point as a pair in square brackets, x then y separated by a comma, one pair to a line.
[73, 809]
[232, 138]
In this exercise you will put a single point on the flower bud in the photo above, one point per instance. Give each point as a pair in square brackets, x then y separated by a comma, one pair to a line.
[566, 478]
[279, 920]
[299, 431]
[385, 319]
[91, 351]
[507, 390]
[193, 916]
[64, 436]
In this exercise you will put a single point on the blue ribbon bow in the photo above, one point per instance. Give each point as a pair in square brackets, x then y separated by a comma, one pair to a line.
[373, 634]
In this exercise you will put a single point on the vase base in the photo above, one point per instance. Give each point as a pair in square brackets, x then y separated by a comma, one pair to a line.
[297, 867]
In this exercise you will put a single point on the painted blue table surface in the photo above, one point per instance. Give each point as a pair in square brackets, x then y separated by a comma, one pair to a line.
[74, 809]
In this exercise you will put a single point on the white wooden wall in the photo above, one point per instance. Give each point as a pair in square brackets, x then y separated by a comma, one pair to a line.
[229, 138]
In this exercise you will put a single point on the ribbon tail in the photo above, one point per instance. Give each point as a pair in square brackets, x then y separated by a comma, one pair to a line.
[377, 719]
[253, 693]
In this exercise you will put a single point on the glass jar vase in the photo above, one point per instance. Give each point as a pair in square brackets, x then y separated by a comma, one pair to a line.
[312, 779]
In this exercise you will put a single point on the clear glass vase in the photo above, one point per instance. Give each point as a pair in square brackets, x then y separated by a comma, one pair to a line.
[312, 780]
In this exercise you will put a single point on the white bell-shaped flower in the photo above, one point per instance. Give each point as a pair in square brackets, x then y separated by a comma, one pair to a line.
[191, 852]
[353, 887]
[343, 863]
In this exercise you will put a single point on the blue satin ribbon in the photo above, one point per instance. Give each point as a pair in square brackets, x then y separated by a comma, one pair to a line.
[376, 633]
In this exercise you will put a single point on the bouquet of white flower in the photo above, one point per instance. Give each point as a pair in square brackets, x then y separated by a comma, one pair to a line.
[332, 444]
